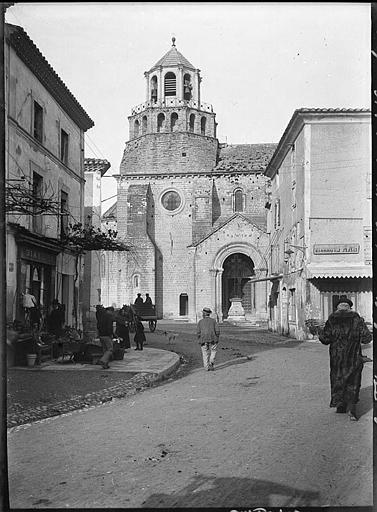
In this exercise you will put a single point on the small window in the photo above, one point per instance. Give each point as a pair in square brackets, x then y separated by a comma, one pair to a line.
[136, 281]
[160, 122]
[38, 122]
[192, 122]
[37, 196]
[63, 213]
[154, 89]
[174, 122]
[64, 138]
[238, 200]
[203, 125]
[187, 87]
[136, 128]
[144, 125]
[277, 214]
[170, 84]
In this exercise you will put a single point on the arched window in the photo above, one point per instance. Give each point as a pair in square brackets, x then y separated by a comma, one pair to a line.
[160, 122]
[170, 84]
[144, 122]
[136, 128]
[238, 200]
[203, 125]
[187, 87]
[154, 88]
[192, 122]
[136, 281]
[174, 122]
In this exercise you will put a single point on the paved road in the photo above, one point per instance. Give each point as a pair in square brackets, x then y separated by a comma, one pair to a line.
[256, 432]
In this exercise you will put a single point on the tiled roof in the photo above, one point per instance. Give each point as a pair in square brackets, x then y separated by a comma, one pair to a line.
[173, 58]
[28, 52]
[306, 110]
[244, 157]
[94, 165]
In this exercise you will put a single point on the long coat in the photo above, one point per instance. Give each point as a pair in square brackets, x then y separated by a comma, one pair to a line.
[344, 331]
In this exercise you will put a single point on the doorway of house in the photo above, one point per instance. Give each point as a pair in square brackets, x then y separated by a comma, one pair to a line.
[238, 268]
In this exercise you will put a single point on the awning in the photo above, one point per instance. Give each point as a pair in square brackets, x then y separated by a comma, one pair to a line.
[313, 271]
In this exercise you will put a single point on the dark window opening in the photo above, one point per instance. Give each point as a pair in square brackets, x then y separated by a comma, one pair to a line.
[154, 89]
[64, 138]
[144, 125]
[160, 122]
[63, 213]
[38, 122]
[203, 125]
[187, 87]
[170, 84]
[192, 123]
[136, 128]
[37, 197]
[238, 201]
[183, 304]
[174, 122]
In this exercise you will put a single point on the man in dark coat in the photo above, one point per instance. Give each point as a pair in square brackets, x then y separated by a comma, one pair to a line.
[139, 299]
[208, 333]
[344, 331]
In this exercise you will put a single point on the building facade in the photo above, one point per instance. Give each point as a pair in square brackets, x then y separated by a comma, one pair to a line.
[320, 218]
[45, 172]
[192, 210]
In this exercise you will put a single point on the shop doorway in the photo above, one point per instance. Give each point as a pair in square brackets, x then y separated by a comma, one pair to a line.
[238, 268]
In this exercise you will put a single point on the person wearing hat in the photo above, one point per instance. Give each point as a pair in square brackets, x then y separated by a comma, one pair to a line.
[208, 337]
[344, 332]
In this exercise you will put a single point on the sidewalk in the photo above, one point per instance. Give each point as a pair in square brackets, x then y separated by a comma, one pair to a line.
[54, 388]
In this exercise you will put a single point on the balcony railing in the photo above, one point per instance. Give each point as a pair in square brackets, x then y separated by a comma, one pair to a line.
[172, 102]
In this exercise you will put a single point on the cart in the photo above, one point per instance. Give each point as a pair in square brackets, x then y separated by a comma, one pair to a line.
[145, 313]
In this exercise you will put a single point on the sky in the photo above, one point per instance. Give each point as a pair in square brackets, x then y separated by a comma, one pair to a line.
[259, 61]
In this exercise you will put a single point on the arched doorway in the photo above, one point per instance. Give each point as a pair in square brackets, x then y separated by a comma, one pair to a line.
[237, 270]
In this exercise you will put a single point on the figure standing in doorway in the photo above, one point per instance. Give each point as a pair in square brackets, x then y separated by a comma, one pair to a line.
[208, 337]
[344, 331]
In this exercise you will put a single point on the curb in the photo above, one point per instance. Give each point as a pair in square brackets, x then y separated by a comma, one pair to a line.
[137, 383]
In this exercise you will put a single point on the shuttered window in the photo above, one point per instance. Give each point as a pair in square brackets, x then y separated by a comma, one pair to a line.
[170, 84]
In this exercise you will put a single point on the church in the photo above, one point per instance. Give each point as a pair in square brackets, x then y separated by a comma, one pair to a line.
[192, 209]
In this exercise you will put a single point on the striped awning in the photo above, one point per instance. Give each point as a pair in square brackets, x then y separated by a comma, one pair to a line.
[328, 272]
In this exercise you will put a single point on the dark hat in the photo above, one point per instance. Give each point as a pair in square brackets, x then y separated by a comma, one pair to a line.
[207, 310]
[345, 301]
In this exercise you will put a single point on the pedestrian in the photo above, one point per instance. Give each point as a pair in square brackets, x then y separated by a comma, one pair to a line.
[344, 331]
[139, 337]
[208, 337]
[105, 329]
[139, 299]
[148, 300]
[55, 319]
[122, 330]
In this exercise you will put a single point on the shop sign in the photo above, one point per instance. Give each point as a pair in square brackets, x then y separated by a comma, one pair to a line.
[34, 254]
[336, 249]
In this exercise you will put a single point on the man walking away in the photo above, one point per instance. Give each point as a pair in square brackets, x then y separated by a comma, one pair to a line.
[105, 333]
[344, 331]
[208, 337]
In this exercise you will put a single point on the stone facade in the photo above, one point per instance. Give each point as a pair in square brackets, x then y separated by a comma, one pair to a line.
[187, 205]
[320, 218]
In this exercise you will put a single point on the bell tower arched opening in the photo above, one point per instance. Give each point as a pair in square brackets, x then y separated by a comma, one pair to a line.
[237, 270]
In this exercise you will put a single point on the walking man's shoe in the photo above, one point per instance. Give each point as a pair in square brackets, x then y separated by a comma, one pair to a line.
[105, 366]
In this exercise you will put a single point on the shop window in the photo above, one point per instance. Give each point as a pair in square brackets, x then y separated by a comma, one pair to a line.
[192, 123]
[160, 122]
[63, 213]
[170, 84]
[64, 139]
[183, 304]
[38, 122]
[174, 122]
[203, 122]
